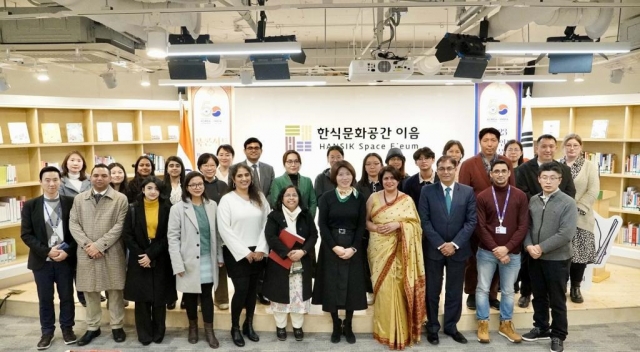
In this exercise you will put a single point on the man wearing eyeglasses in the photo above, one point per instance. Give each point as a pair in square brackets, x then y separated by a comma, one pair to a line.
[527, 182]
[503, 222]
[548, 242]
[448, 215]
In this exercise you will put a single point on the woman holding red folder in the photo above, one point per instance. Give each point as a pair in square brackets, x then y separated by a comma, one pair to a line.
[289, 290]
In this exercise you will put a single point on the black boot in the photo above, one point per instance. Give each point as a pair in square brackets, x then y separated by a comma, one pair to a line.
[193, 331]
[576, 295]
[236, 336]
[348, 332]
[247, 329]
[337, 331]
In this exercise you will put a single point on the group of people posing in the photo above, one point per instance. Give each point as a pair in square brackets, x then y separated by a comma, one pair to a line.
[385, 240]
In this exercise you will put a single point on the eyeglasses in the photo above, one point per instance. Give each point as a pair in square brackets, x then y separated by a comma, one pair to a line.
[446, 169]
[292, 162]
[208, 166]
[253, 148]
[550, 178]
[500, 172]
[424, 159]
[196, 185]
[572, 146]
[294, 195]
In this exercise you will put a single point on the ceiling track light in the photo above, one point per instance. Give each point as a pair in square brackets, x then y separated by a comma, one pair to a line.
[535, 49]
[234, 49]
[578, 78]
[525, 78]
[42, 75]
[109, 77]
[144, 80]
[157, 43]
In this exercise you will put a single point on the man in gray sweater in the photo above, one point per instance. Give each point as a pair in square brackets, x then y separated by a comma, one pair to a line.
[552, 226]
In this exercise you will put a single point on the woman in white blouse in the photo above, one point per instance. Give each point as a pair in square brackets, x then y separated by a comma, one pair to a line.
[242, 215]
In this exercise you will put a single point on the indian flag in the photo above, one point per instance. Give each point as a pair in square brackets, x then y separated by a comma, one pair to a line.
[185, 145]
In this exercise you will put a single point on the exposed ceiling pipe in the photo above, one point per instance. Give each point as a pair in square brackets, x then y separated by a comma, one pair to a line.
[246, 15]
[136, 24]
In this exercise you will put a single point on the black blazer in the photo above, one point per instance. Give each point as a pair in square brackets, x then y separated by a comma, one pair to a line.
[412, 187]
[34, 232]
[527, 179]
[276, 281]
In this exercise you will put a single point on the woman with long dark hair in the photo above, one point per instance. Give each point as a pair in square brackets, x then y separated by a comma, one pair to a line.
[340, 278]
[195, 254]
[242, 216]
[150, 281]
[289, 290]
[513, 151]
[143, 167]
[174, 173]
[119, 180]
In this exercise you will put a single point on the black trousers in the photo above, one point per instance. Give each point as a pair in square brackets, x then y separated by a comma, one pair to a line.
[61, 275]
[367, 269]
[525, 278]
[150, 321]
[206, 302]
[244, 297]
[452, 296]
[549, 283]
[576, 272]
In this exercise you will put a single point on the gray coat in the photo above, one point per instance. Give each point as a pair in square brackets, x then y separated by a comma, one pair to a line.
[101, 224]
[184, 245]
[552, 226]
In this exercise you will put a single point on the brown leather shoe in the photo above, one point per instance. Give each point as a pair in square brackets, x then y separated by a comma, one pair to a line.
[193, 331]
[210, 335]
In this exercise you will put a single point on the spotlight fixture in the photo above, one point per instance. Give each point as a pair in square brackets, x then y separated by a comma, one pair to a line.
[471, 51]
[4, 85]
[42, 75]
[616, 76]
[157, 44]
[109, 77]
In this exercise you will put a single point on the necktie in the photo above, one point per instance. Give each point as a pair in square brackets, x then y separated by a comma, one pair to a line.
[255, 173]
[447, 199]
[97, 196]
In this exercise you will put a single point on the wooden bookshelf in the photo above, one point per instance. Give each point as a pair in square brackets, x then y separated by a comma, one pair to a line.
[29, 158]
[623, 138]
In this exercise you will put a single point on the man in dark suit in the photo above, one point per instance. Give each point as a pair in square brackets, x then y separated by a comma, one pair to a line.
[262, 172]
[52, 258]
[448, 215]
[264, 175]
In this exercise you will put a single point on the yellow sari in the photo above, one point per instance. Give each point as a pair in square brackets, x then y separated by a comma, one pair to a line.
[397, 274]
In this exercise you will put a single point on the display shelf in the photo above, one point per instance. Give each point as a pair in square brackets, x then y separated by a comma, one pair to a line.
[624, 211]
[620, 175]
[29, 158]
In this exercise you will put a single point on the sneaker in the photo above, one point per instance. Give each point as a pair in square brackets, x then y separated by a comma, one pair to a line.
[45, 341]
[483, 331]
[508, 330]
[536, 334]
[370, 298]
[557, 345]
[69, 336]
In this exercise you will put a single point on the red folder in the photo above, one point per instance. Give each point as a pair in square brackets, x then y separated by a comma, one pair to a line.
[289, 240]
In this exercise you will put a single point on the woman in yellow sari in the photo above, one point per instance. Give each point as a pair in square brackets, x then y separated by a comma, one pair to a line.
[397, 267]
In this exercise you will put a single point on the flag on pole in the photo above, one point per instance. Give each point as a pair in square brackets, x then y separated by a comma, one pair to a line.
[526, 133]
[185, 145]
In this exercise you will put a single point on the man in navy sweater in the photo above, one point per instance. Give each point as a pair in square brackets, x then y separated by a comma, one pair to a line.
[424, 158]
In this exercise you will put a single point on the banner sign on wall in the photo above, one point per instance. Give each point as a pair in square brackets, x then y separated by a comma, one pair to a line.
[498, 105]
[211, 111]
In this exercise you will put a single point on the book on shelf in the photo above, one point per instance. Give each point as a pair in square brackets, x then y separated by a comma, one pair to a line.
[1, 139]
[103, 160]
[7, 250]
[631, 234]
[156, 133]
[19, 133]
[75, 133]
[125, 131]
[105, 131]
[173, 132]
[599, 128]
[51, 133]
[631, 198]
[631, 165]
[606, 162]
[8, 175]
[11, 208]
[158, 161]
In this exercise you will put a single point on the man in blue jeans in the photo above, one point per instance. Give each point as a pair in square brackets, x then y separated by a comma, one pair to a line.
[503, 222]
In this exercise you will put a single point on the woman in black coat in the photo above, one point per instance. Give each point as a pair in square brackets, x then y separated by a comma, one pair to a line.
[289, 290]
[340, 277]
[150, 281]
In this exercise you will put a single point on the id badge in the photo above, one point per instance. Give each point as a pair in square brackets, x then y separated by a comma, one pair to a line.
[54, 240]
[501, 230]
